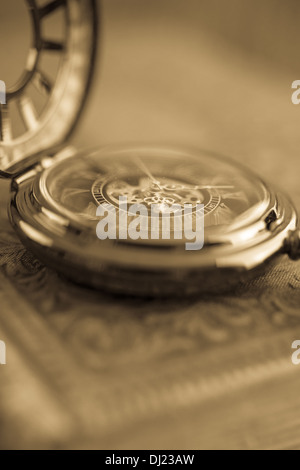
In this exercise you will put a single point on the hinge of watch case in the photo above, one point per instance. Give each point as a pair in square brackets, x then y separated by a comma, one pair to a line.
[26, 175]
[29, 172]
[42, 163]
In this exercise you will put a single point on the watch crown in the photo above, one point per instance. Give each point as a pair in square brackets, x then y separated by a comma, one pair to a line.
[293, 245]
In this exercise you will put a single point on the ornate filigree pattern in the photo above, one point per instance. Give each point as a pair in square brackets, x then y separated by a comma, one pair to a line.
[117, 331]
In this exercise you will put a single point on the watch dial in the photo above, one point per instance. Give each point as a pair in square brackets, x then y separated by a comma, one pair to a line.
[155, 177]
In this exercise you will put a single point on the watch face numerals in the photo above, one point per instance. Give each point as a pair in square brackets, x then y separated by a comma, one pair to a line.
[153, 178]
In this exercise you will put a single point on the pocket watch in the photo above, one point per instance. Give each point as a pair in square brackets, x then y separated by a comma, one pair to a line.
[56, 191]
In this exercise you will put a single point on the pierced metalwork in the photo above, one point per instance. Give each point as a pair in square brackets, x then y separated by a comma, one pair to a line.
[64, 96]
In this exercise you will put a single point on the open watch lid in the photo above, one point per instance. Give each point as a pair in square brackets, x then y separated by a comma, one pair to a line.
[63, 96]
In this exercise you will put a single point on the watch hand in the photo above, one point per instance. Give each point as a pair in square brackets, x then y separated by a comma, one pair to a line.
[182, 186]
[146, 170]
[213, 187]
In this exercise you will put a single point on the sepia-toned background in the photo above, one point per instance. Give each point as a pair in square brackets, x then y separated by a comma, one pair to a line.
[86, 370]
